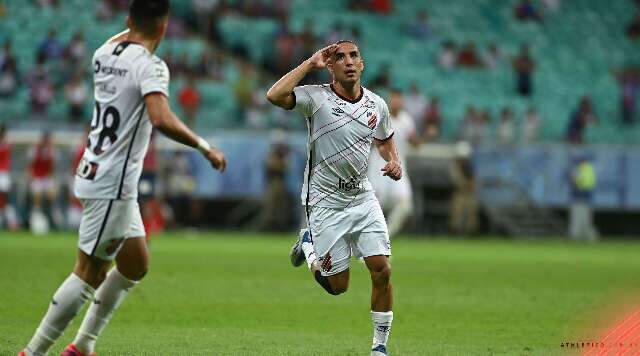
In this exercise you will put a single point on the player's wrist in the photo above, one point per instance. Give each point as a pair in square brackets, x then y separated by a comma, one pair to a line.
[203, 146]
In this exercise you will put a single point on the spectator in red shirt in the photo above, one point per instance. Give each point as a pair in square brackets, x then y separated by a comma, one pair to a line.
[432, 120]
[8, 216]
[382, 6]
[189, 100]
[468, 56]
[42, 181]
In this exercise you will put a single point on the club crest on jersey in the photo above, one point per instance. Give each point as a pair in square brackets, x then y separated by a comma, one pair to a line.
[373, 120]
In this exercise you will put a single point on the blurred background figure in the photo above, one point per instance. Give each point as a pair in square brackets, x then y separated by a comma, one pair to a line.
[8, 216]
[42, 184]
[76, 93]
[74, 209]
[463, 214]
[152, 207]
[525, 10]
[507, 127]
[531, 126]
[189, 100]
[580, 119]
[524, 66]
[432, 120]
[583, 182]
[274, 213]
[396, 198]
[180, 186]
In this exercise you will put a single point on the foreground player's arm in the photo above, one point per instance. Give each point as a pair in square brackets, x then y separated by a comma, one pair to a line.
[168, 123]
[281, 93]
[389, 153]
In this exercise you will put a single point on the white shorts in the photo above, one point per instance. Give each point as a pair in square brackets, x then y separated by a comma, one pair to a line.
[42, 185]
[106, 224]
[5, 182]
[358, 231]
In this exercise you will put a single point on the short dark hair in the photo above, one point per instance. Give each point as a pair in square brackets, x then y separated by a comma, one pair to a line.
[145, 14]
[347, 41]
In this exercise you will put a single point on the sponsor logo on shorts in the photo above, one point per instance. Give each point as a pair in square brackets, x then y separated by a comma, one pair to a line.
[347, 186]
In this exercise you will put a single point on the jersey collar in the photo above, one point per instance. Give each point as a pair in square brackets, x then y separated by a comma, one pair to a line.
[347, 99]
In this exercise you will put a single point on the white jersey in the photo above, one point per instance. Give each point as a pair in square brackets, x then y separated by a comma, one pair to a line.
[124, 72]
[340, 135]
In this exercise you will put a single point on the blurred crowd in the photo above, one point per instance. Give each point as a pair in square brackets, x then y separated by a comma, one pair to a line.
[61, 67]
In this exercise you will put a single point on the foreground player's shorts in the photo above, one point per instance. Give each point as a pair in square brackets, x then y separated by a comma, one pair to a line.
[106, 224]
[358, 231]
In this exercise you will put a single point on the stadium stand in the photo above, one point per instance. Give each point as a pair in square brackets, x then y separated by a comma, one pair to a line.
[575, 47]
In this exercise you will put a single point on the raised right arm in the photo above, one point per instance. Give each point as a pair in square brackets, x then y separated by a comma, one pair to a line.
[281, 93]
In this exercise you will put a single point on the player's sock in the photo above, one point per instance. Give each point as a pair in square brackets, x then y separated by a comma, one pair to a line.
[67, 302]
[381, 327]
[309, 253]
[108, 297]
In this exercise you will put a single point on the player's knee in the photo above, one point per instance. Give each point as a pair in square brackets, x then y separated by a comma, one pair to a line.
[340, 289]
[135, 273]
[382, 275]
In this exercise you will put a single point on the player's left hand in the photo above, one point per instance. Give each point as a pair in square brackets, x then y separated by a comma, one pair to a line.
[393, 170]
[216, 158]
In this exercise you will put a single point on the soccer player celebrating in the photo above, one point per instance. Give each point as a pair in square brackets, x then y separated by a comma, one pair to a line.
[131, 90]
[343, 214]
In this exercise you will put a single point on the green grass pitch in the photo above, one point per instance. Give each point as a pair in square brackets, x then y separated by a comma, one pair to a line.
[236, 294]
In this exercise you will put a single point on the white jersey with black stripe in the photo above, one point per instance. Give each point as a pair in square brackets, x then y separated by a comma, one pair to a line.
[340, 135]
[124, 72]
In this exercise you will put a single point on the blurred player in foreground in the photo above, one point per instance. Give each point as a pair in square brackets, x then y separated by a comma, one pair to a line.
[131, 91]
[343, 215]
[396, 198]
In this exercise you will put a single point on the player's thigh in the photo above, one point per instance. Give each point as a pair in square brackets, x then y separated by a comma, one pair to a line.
[133, 258]
[372, 236]
[104, 226]
[329, 229]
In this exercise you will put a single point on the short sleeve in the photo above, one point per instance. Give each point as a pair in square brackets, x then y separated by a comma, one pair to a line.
[304, 102]
[384, 130]
[154, 78]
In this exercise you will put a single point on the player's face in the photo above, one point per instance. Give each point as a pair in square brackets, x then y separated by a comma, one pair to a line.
[395, 102]
[346, 64]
